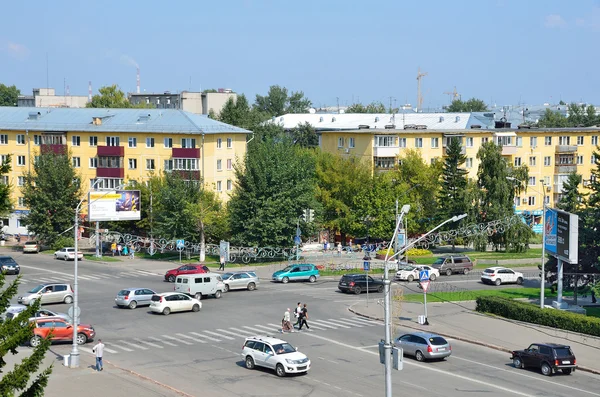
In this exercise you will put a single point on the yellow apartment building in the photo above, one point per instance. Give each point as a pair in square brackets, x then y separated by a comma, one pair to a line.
[112, 146]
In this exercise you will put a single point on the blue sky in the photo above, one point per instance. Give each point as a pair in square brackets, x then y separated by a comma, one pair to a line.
[502, 51]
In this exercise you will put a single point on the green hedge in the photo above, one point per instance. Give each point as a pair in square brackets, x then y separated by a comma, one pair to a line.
[527, 312]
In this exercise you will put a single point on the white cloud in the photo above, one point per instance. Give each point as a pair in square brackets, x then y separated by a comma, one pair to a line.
[554, 21]
[16, 50]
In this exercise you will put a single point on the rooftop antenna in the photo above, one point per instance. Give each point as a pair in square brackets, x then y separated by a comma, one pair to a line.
[47, 73]
[90, 91]
[138, 80]
[419, 95]
[338, 103]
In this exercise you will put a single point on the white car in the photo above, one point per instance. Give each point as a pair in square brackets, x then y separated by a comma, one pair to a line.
[410, 273]
[273, 353]
[168, 302]
[67, 254]
[501, 275]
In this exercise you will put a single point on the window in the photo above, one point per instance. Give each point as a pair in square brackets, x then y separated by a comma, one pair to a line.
[419, 142]
[532, 161]
[3, 139]
[547, 180]
[385, 141]
[110, 162]
[20, 160]
[505, 141]
[94, 162]
[106, 183]
[593, 158]
[20, 181]
[93, 141]
[469, 162]
[219, 186]
[484, 140]
[132, 141]
[340, 142]
[469, 141]
[564, 140]
[547, 140]
[533, 141]
[21, 201]
[401, 142]
[36, 159]
[168, 142]
[3, 158]
[531, 200]
[149, 142]
[579, 160]
[580, 140]
[37, 140]
[517, 161]
[20, 139]
[435, 142]
[531, 181]
[219, 165]
[181, 164]
[76, 162]
[351, 142]
[229, 184]
[132, 164]
[229, 143]
[112, 141]
[220, 143]
[150, 164]
[595, 140]
[229, 163]
[519, 141]
[188, 143]
[566, 159]
[547, 161]
[76, 140]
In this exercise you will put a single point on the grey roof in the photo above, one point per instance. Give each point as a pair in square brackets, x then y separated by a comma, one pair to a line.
[113, 120]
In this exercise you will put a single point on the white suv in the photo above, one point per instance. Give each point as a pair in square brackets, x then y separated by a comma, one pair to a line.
[501, 275]
[277, 354]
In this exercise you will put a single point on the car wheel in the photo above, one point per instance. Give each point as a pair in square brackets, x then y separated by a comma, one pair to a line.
[280, 370]
[68, 299]
[55, 256]
[465, 271]
[251, 287]
[498, 281]
[567, 371]
[249, 362]
[520, 280]
[410, 278]
[218, 294]
[171, 279]
[196, 308]
[312, 279]
[432, 277]
[66, 259]
[227, 288]
[35, 341]
[357, 290]
[285, 280]
[132, 304]
[380, 289]
[449, 272]
[546, 369]
[198, 296]
[517, 362]
[167, 311]
[81, 339]
[419, 356]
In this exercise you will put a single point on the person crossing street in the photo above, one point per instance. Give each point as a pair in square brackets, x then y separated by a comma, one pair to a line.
[297, 313]
[303, 318]
[99, 351]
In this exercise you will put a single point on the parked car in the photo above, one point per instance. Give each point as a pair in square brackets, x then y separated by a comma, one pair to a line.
[67, 254]
[134, 297]
[501, 275]
[38, 314]
[548, 357]
[12, 311]
[172, 274]
[357, 283]
[61, 330]
[9, 266]
[453, 264]
[48, 293]
[240, 280]
[273, 353]
[31, 247]
[169, 302]
[424, 346]
[200, 285]
[298, 272]
[410, 273]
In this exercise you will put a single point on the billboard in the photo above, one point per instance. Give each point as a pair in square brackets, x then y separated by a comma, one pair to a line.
[562, 235]
[114, 205]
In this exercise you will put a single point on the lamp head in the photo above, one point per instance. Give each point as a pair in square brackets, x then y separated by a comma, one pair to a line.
[405, 209]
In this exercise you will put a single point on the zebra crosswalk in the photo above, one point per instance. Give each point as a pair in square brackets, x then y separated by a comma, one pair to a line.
[64, 277]
[186, 339]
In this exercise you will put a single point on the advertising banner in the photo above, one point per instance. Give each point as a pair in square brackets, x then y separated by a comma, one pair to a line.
[119, 205]
[562, 235]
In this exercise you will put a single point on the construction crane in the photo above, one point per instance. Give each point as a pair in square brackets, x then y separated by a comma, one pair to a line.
[454, 94]
[419, 95]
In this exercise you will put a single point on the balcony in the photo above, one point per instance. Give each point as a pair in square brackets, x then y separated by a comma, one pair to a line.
[112, 151]
[565, 149]
[186, 175]
[509, 150]
[110, 172]
[386, 151]
[565, 169]
[53, 148]
[463, 150]
[181, 153]
[558, 188]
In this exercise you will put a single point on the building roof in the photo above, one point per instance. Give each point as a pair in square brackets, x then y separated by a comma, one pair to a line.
[112, 120]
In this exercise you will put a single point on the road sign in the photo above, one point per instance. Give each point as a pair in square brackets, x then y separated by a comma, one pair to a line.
[297, 240]
[425, 285]
[424, 275]
[70, 311]
[366, 266]
[180, 244]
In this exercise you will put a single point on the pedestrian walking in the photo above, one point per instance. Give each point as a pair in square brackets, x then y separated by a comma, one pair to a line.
[125, 251]
[303, 318]
[222, 263]
[286, 324]
[113, 248]
[99, 351]
[339, 249]
[297, 313]
[131, 252]
[119, 249]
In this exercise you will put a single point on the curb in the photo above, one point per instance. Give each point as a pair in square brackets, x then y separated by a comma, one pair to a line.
[460, 338]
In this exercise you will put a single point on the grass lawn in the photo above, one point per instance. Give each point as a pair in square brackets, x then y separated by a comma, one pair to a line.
[104, 258]
[531, 253]
[593, 311]
[510, 293]
[372, 272]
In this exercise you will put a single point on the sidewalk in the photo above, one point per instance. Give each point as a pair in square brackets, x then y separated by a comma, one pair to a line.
[459, 321]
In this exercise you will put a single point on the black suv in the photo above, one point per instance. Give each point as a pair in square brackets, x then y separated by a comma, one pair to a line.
[357, 283]
[8, 265]
[453, 264]
[549, 357]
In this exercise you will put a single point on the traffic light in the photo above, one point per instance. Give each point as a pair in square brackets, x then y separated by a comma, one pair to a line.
[311, 215]
[305, 215]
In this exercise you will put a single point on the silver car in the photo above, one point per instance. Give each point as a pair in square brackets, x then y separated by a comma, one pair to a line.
[134, 297]
[424, 346]
[41, 313]
[240, 280]
[48, 293]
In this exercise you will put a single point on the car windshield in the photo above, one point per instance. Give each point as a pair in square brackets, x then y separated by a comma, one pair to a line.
[37, 289]
[563, 352]
[409, 268]
[439, 261]
[123, 292]
[226, 276]
[283, 348]
[288, 269]
[30, 243]
[437, 341]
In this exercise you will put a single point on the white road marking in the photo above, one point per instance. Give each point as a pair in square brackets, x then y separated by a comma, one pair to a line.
[206, 336]
[88, 350]
[319, 324]
[259, 331]
[191, 338]
[132, 345]
[149, 343]
[176, 339]
[46, 280]
[162, 341]
[269, 329]
[90, 277]
[44, 270]
[345, 323]
[242, 335]
[123, 348]
[360, 322]
[145, 273]
[219, 335]
[366, 320]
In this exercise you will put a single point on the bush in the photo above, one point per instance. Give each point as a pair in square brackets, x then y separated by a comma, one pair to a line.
[418, 252]
[63, 241]
[527, 312]
[389, 252]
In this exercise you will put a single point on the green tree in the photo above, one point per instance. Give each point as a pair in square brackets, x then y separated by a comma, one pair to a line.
[14, 333]
[274, 183]
[453, 190]
[239, 113]
[51, 192]
[305, 135]
[571, 199]
[579, 116]
[373, 107]
[175, 192]
[208, 216]
[111, 96]
[209, 91]
[6, 204]
[278, 102]
[9, 95]
[472, 105]
[552, 119]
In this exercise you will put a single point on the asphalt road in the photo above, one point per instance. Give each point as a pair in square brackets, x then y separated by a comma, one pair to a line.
[199, 353]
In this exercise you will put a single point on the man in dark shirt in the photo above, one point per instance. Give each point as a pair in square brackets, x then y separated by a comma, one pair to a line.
[303, 318]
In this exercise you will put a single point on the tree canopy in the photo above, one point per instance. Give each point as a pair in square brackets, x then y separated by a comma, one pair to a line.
[279, 102]
[373, 107]
[453, 190]
[111, 96]
[238, 112]
[472, 105]
[6, 204]
[9, 95]
[578, 116]
[305, 135]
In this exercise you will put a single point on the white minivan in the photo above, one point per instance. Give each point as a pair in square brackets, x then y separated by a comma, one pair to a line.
[199, 285]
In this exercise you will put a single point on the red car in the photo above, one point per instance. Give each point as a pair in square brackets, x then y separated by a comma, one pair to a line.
[61, 330]
[185, 269]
